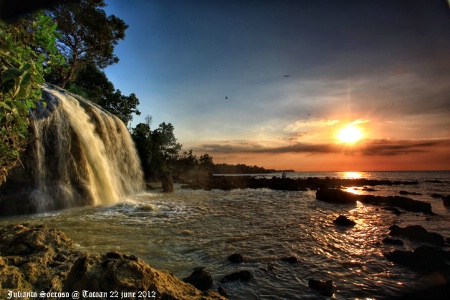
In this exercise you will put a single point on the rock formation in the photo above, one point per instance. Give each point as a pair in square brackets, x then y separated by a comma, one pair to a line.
[342, 197]
[34, 258]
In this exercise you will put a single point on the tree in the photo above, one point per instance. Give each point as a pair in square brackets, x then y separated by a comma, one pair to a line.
[93, 84]
[87, 35]
[27, 51]
[206, 162]
[142, 137]
[158, 149]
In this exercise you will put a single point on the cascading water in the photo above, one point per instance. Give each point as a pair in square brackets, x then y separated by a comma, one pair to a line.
[82, 155]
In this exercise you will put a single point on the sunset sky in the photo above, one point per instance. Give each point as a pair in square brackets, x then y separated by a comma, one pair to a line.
[271, 83]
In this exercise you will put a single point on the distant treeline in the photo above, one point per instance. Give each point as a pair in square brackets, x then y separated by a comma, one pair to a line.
[242, 169]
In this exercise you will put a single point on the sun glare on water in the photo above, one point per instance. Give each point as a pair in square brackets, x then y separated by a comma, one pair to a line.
[349, 134]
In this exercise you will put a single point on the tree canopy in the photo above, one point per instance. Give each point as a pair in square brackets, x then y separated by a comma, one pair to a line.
[93, 84]
[87, 35]
[158, 149]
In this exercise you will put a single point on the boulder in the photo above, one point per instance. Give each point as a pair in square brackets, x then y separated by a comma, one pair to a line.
[446, 201]
[423, 259]
[236, 258]
[201, 279]
[335, 196]
[243, 275]
[417, 233]
[436, 195]
[409, 193]
[390, 241]
[344, 221]
[324, 287]
[36, 258]
[342, 197]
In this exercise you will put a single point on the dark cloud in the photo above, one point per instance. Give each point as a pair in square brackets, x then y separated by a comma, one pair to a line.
[398, 147]
[369, 148]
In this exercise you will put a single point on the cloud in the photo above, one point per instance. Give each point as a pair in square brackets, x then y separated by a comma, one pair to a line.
[298, 125]
[381, 147]
[397, 147]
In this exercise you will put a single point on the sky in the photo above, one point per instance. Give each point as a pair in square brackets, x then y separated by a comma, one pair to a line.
[271, 83]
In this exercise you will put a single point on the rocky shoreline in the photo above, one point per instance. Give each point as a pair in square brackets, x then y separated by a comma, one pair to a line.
[278, 183]
[37, 261]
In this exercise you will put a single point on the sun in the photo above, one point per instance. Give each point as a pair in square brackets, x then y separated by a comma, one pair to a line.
[349, 134]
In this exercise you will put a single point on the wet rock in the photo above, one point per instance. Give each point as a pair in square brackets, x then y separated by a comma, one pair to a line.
[290, 259]
[418, 234]
[335, 196]
[409, 193]
[243, 275]
[446, 201]
[342, 197]
[36, 258]
[222, 291]
[392, 241]
[324, 287]
[394, 210]
[167, 182]
[422, 259]
[236, 258]
[201, 279]
[344, 221]
[435, 195]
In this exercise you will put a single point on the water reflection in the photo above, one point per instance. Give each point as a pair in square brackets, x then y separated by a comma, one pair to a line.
[352, 175]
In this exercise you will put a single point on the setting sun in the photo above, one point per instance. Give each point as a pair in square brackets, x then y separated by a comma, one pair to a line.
[349, 134]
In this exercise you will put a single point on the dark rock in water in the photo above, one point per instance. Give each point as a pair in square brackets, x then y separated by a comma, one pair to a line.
[446, 200]
[344, 221]
[418, 234]
[342, 197]
[201, 279]
[369, 189]
[222, 291]
[409, 193]
[242, 275]
[411, 205]
[437, 196]
[167, 182]
[394, 210]
[324, 287]
[290, 259]
[392, 241]
[236, 258]
[441, 291]
[422, 259]
[335, 196]
[36, 258]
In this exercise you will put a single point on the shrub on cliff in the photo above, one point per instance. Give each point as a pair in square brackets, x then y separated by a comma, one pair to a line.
[27, 52]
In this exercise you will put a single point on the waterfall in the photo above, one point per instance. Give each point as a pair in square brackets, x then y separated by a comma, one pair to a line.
[81, 155]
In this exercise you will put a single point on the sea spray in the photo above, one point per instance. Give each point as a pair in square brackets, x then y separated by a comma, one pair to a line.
[83, 155]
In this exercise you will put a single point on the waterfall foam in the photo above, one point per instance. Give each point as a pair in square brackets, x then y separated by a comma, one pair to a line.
[82, 155]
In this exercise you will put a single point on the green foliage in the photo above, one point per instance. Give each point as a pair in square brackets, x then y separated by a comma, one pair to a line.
[27, 51]
[93, 84]
[158, 149]
[87, 35]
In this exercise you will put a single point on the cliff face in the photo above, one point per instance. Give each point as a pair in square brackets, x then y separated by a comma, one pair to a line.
[36, 259]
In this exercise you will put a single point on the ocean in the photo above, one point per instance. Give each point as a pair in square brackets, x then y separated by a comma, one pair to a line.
[197, 228]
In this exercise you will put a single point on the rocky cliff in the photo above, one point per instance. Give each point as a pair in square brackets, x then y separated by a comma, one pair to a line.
[36, 261]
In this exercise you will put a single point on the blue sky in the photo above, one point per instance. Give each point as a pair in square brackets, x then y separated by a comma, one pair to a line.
[271, 82]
